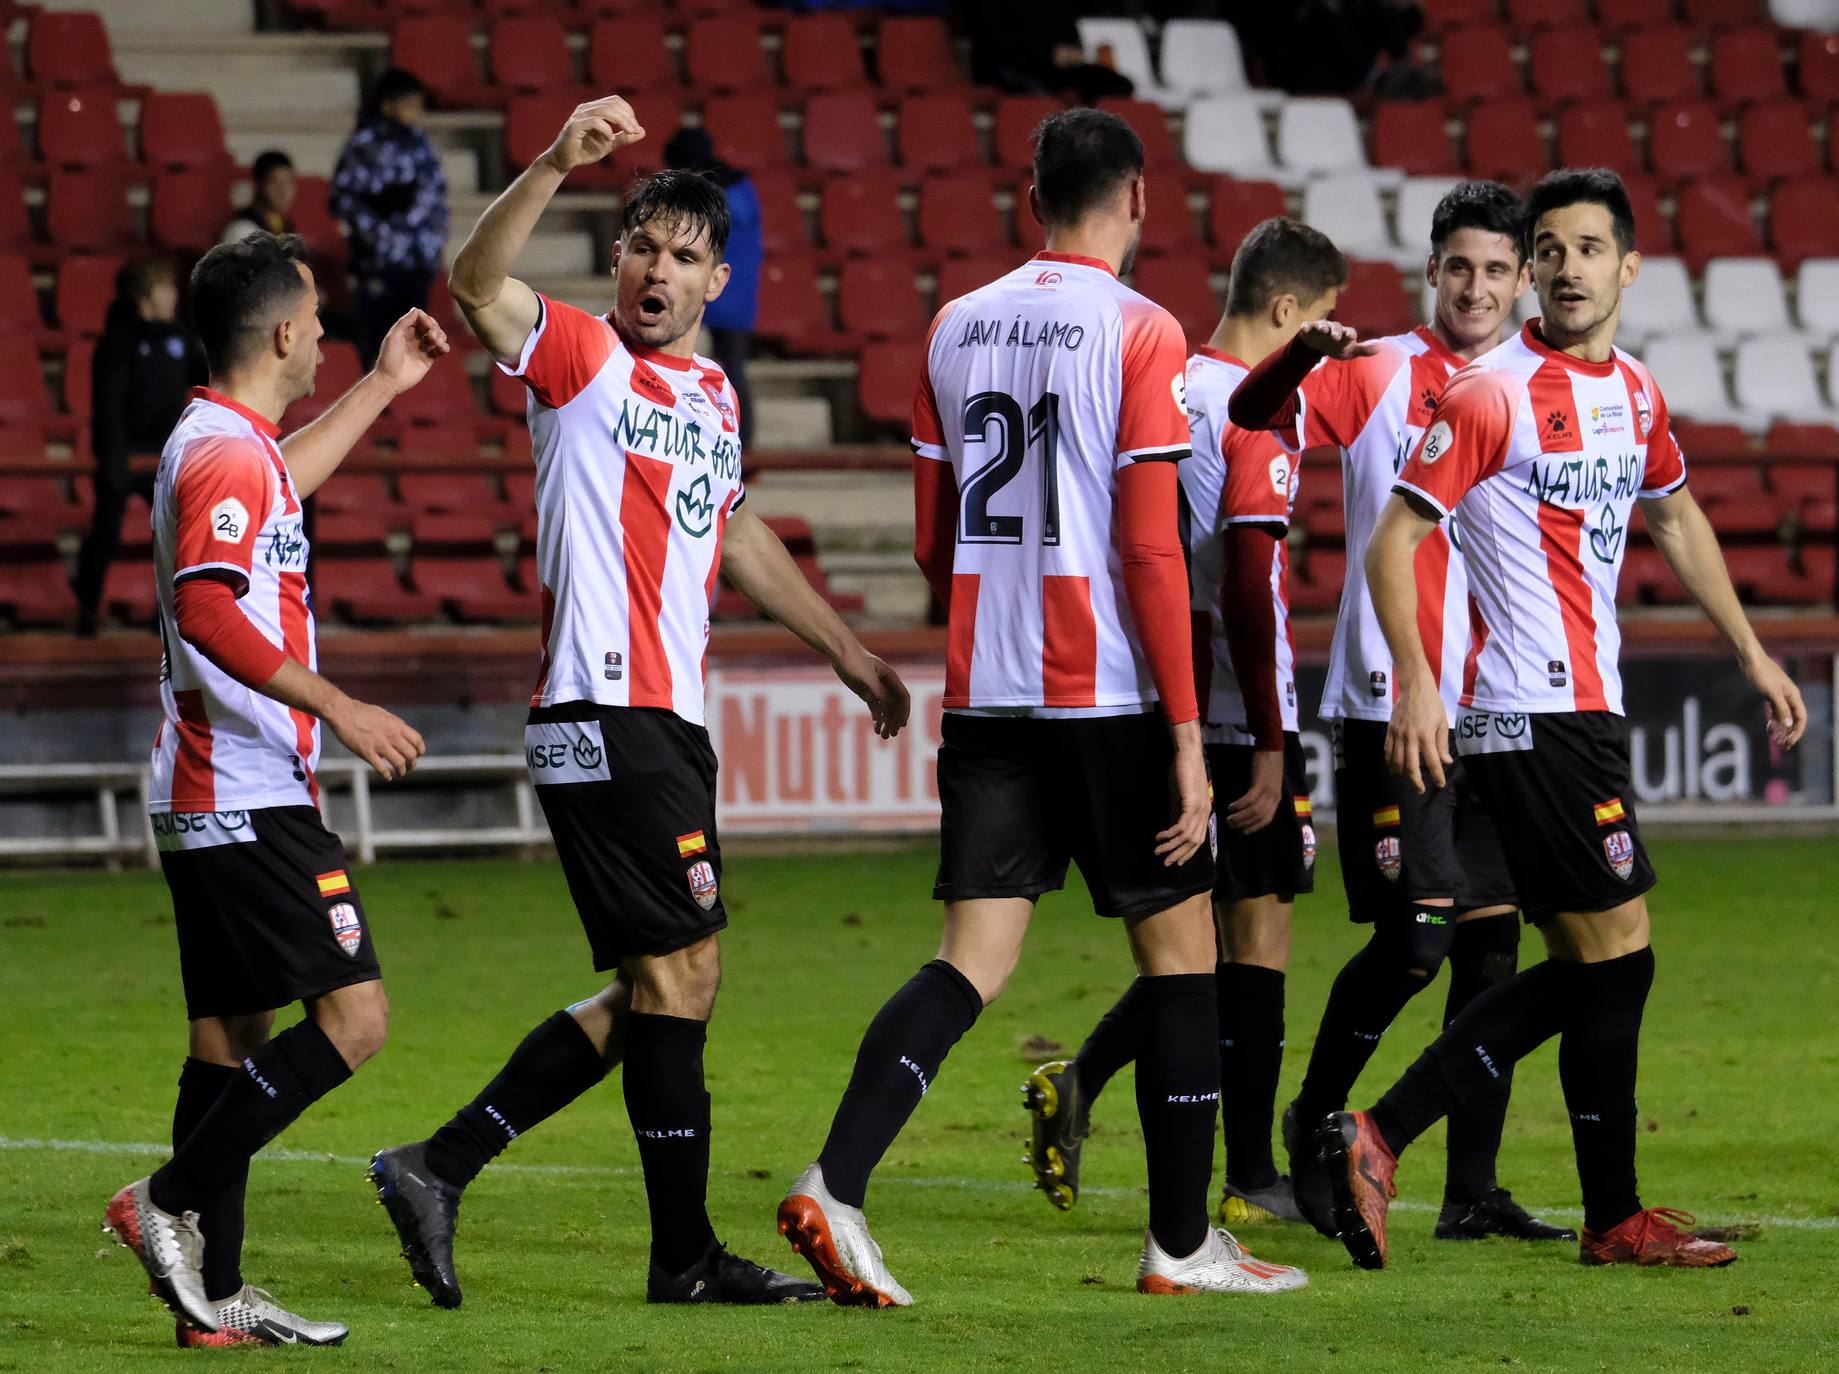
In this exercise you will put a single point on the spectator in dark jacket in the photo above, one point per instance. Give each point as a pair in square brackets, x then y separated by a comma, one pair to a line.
[391, 193]
[144, 369]
[274, 182]
[1032, 47]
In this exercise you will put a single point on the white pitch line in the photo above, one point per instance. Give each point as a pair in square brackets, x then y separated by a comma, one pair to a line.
[979, 1185]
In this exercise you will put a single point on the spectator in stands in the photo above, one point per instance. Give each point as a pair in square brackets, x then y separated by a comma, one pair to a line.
[274, 183]
[730, 316]
[145, 366]
[391, 193]
[1334, 47]
[1032, 47]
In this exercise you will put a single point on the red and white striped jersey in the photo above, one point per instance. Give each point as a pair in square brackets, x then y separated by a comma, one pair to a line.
[1038, 389]
[1543, 456]
[1235, 477]
[225, 506]
[1374, 410]
[638, 467]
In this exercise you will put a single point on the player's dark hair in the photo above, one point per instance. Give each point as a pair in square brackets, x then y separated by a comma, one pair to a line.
[394, 84]
[1485, 205]
[1583, 186]
[239, 290]
[271, 161]
[1283, 257]
[1081, 157]
[679, 197]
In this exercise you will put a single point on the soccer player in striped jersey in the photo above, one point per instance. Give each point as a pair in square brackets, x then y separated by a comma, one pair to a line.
[1238, 492]
[1426, 872]
[1048, 423]
[1542, 446]
[266, 911]
[639, 504]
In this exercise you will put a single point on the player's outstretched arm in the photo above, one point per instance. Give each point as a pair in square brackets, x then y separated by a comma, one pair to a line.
[1417, 741]
[759, 568]
[1682, 533]
[1266, 398]
[408, 351]
[502, 310]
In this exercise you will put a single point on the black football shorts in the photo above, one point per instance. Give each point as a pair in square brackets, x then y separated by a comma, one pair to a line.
[1279, 859]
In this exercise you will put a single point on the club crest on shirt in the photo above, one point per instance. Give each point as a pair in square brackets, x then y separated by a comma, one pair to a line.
[1644, 415]
[702, 883]
[1619, 849]
[346, 928]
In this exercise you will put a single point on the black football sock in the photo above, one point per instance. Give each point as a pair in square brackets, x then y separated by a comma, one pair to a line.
[553, 1066]
[1493, 1033]
[1486, 951]
[1596, 1064]
[1111, 1045]
[669, 1111]
[1251, 1058]
[900, 1056]
[1368, 994]
[201, 1083]
[271, 1089]
[1178, 1079]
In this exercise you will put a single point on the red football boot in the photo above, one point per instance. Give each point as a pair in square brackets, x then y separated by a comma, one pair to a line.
[1656, 1236]
[1360, 1168]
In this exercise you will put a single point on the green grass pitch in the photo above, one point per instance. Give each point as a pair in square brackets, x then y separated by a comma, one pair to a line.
[1737, 1101]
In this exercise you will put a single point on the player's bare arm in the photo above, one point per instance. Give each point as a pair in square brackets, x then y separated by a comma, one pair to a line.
[1417, 741]
[410, 348]
[760, 569]
[1685, 537]
[501, 309]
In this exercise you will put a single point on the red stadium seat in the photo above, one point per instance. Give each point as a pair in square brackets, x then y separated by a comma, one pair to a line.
[446, 493]
[1746, 65]
[630, 53]
[746, 132]
[351, 492]
[1772, 574]
[1478, 66]
[1733, 497]
[87, 211]
[886, 379]
[862, 214]
[128, 589]
[15, 228]
[1443, 15]
[474, 589]
[1503, 142]
[1596, 134]
[792, 312]
[37, 596]
[957, 215]
[724, 54]
[1776, 141]
[1183, 287]
[782, 221]
[821, 52]
[1374, 301]
[1793, 484]
[79, 128]
[1316, 586]
[1819, 67]
[182, 131]
[12, 145]
[1171, 228]
[1804, 221]
[314, 220]
[1724, 14]
[843, 132]
[438, 51]
[1568, 64]
[1714, 221]
[877, 299]
[19, 313]
[339, 371]
[189, 209]
[1526, 16]
[531, 123]
[937, 134]
[1701, 437]
[1648, 580]
[1411, 136]
[79, 371]
[1152, 126]
[69, 48]
[447, 439]
[507, 395]
[1618, 15]
[1017, 117]
[529, 52]
[1236, 207]
[1657, 66]
[41, 498]
[914, 53]
[1686, 141]
[85, 288]
[443, 397]
[366, 591]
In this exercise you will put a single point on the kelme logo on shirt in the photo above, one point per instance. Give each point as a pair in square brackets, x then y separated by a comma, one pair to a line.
[696, 508]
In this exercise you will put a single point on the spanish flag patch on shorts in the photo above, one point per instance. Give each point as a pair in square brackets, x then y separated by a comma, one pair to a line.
[1386, 815]
[333, 883]
[1609, 812]
[692, 843]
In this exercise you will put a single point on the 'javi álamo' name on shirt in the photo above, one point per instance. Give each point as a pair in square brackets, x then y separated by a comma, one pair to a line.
[657, 433]
[1021, 333]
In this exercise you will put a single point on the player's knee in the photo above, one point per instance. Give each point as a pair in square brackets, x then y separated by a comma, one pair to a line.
[1419, 938]
[355, 1020]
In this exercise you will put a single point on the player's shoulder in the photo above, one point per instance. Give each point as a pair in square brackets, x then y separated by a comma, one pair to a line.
[1213, 373]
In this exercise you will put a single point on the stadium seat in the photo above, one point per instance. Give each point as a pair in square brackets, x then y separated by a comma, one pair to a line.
[1567, 64]
[1440, 16]
[1411, 136]
[1017, 117]
[19, 312]
[1319, 134]
[1775, 378]
[746, 132]
[1687, 366]
[1647, 580]
[353, 492]
[630, 53]
[69, 48]
[886, 379]
[1619, 15]
[448, 438]
[444, 396]
[473, 589]
[1152, 126]
[315, 222]
[862, 215]
[821, 52]
[1772, 574]
[958, 216]
[1171, 228]
[12, 145]
[79, 370]
[1714, 221]
[128, 590]
[37, 596]
[182, 131]
[1181, 286]
[1657, 66]
[42, 499]
[1316, 586]
[1478, 67]
[366, 591]
[914, 53]
[438, 52]
[1347, 209]
[189, 209]
[1686, 141]
[79, 128]
[1723, 14]
[1122, 45]
[1746, 65]
[87, 211]
[1202, 57]
[1653, 227]
[1660, 303]
[1503, 142]
[1804, 221]
[724, 54]
[1374, 301]
[792, 312]
[1734, 499]
[1595, 133]
[468, 532]
[446, 493]
[1417, 205]
[843, 132]
[1776, 141]
[1819, 67]
[937, 133]
[1817, 296]
[877, 299]
[15, 227]
[85, 289]
[1705, 436]
[1531, 16]
[529, 52]
[782, 219]
[1236, 207]
[530, 124]
[1225, 133]
[1744, 297]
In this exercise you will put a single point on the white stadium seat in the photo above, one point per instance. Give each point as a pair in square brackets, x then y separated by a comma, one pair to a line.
[1129, 54]
[1347, 209]
[1202, 57]
[1225, 133]
[1744, 297]
[1319, 134]
[1659, 303]
[1805, 14]
[1816, 297]
[1417, 202]
[1690, 376]
[1775, 380]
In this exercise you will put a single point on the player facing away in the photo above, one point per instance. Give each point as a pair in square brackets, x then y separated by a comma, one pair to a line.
[1047, 426]
[1542, 447]
[1424, 870]
[266, 910]
[1238, 490]
[639, 498]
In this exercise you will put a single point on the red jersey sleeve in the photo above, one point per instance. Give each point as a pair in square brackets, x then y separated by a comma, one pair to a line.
[1340, 396]
[221, 498]
[1258, 477]
[1468, 442]
[1152, 418]
[928, 430]
[1666, 462]
[563, 354]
